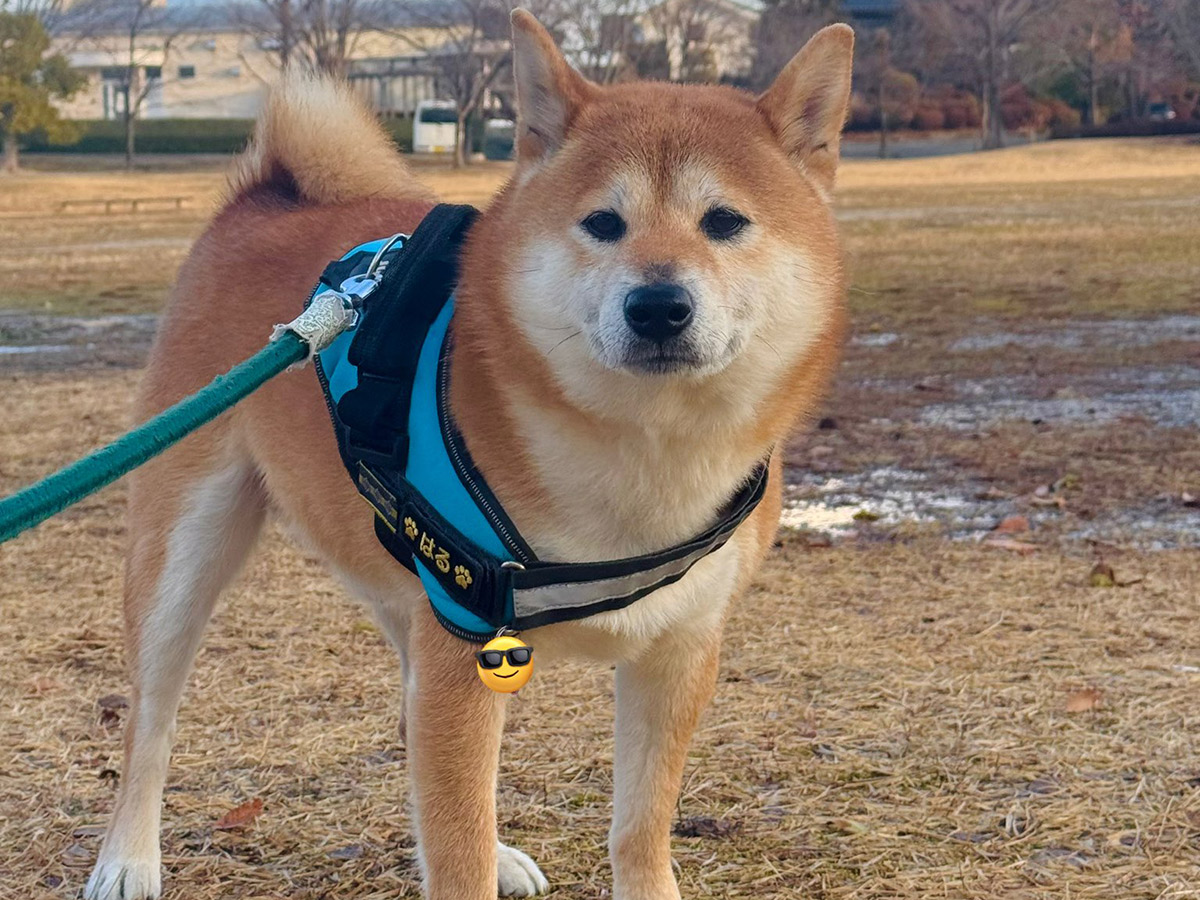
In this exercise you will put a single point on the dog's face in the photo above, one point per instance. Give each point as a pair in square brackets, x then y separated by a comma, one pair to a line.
[661, 231]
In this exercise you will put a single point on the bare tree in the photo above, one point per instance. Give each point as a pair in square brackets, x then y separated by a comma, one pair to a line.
[782, 29]
[982, 37]
[697, 37]
[1090, 41]
[142, 34]
[602, 37]
[315, 34]
[469, 45]
[1182, 19]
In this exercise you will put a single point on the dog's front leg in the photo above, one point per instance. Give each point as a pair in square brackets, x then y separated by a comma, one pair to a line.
[454, 727]
[659, 700]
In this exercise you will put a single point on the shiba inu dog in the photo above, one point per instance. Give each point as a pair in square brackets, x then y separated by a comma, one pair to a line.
[643, 315]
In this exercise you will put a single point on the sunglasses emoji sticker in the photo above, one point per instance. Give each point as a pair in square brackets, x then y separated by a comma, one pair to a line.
[505, 664]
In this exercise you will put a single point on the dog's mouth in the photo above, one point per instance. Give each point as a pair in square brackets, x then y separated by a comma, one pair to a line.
[676, 359]
[664, 363]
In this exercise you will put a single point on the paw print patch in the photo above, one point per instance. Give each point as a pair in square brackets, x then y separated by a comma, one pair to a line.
[462, 577]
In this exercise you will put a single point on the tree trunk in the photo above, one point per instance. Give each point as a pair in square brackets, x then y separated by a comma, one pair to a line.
[286, 38]
[12, 152]
[883, 128]
[675, 39]
[993, 119]
[130, 137]
[883, 42]
[460, 141]
[1093, 90]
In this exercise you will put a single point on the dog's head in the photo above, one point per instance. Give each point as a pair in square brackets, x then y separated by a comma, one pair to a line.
[658, 233]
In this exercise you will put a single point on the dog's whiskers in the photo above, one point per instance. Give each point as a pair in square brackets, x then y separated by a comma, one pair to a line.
[553, 327]
[774, 349]
[563, 341]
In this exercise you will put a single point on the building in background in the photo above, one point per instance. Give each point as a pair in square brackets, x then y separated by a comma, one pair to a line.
[216, 60]
[204, 61]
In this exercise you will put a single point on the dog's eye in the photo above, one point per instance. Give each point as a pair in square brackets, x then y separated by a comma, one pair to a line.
[722, 223]
[604, 225]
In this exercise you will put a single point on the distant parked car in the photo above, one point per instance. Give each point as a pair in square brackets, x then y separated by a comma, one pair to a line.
[1161, 112]
[435, 126]
[498, 138]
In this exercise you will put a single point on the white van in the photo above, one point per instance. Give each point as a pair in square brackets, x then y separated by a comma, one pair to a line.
[435, 126]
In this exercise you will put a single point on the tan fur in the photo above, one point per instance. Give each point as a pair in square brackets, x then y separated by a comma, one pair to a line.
[592, 459]
[318, 132]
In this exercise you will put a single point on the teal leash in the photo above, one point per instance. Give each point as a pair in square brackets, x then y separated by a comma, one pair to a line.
[328, 315]
[66, 487]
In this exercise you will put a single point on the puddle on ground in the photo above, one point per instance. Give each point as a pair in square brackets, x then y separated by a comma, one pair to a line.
[890, 496]
[1167, 396]
[31, 349]
[1107, 332]
[33, 341]
[1175, 407]
[1162, 525]
[880, 339]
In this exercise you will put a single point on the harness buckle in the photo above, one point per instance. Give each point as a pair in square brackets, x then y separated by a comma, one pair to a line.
[358, 288]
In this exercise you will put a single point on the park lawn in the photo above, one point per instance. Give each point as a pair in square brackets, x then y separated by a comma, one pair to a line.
[1065, 229]
[898, 716]
[894, 720]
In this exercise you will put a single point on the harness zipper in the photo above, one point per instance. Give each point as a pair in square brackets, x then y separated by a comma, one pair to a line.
[458, 631]
[460, 465]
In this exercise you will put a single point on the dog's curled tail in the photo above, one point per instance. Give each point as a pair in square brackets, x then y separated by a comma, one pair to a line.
[315, 142]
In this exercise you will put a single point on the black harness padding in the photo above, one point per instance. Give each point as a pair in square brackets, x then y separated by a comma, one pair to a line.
[375, 413]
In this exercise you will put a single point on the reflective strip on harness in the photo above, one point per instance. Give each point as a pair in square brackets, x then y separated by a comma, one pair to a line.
[537, 601]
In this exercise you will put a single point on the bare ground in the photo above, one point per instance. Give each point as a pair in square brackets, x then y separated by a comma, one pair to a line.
[906, 708]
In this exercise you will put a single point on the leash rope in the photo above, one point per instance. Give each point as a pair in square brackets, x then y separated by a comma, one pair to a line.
[328, 315]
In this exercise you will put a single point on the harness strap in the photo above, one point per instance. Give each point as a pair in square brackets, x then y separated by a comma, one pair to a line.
[528, 595]
[546, 592]
[375, 412]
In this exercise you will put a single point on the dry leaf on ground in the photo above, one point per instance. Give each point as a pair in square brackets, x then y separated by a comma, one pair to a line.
[1012, 525]
[1082, 701]
[241, 816]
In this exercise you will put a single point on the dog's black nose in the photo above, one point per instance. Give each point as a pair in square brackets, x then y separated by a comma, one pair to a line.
[658, 311]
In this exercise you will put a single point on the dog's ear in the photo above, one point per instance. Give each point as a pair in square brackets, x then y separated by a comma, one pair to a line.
[549, 91]
[807, 104]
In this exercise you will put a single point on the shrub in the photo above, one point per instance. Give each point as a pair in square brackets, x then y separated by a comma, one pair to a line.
[864, 116]
[959, 108]
[929, 117]
[1061, 114]
[901, 93]
[178, 136]
[1018, 109]
[1129, 128]
[156, 136]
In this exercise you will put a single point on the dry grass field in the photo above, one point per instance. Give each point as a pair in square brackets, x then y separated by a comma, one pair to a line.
[919, 706]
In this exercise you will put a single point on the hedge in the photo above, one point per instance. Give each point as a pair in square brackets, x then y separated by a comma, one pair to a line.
[179, 136]
[1131, 128]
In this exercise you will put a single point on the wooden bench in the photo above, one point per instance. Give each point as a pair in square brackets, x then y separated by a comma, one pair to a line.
[132, 204]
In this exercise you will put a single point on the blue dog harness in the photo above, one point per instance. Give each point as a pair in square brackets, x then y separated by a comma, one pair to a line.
[386, 384]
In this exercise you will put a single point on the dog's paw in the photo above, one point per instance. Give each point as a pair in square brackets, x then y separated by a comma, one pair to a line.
[124, 879]
[519, 875]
